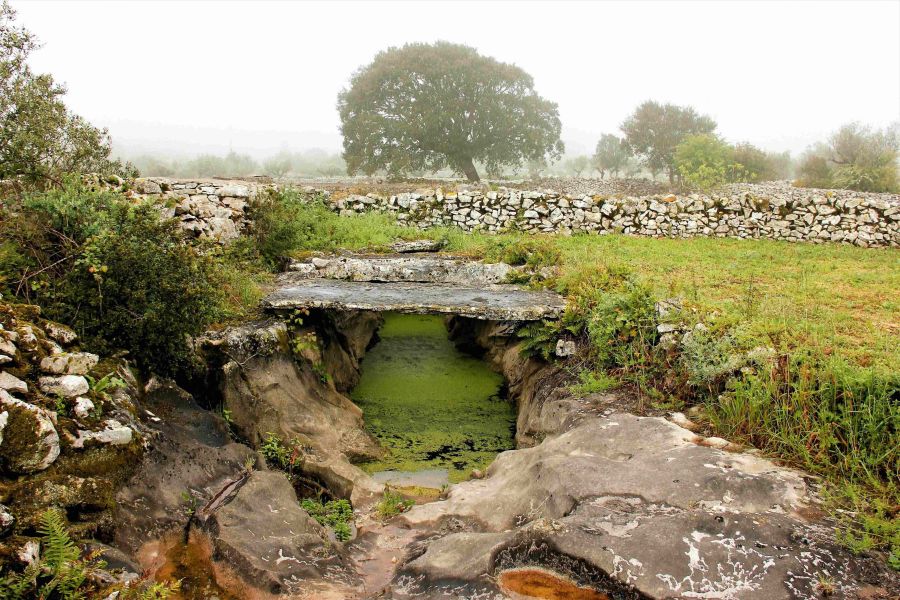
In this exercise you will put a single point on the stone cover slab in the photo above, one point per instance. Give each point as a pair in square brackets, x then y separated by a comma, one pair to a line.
[494, 303]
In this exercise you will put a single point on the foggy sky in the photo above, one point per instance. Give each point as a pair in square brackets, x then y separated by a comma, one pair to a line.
[258, 77]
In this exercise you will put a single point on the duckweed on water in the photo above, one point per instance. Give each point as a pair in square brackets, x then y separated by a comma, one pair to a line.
[428, 403]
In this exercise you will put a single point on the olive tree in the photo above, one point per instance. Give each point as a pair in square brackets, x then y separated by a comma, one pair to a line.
[856, 157]
[611, 155]
[40, 139]
[431, 106]
[655, 130]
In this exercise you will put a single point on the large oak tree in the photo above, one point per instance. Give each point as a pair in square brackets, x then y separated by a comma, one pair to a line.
[427, 107]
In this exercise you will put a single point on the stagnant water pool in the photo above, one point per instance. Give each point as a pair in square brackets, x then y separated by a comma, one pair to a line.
[430, 405]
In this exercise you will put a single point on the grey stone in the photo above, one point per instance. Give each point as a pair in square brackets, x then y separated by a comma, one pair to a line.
[113, 434]
[642, 507]
[7, 520]
[36, 444]
[60, 333]
[498, 302]
[75, 363]
[66, 386]
[258, 531]
[83, 407]
[12, 384]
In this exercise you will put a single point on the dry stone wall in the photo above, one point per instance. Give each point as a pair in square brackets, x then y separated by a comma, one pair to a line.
[217, 209]
[775, 211]
[206, 208]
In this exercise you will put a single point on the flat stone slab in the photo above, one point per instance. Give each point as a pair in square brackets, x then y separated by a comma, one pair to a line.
[493, 303]
[424, 268]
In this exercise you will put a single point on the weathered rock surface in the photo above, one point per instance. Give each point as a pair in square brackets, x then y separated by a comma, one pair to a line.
[261, 535]
[190, 453]
[636, 505]
[418, 246]
[497, 302]
[69, 363]
[30, 442]
[67, 386]
[425, 268]
[12, 384]
[268, 390]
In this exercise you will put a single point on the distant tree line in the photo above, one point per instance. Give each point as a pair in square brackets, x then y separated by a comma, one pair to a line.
[308, 163]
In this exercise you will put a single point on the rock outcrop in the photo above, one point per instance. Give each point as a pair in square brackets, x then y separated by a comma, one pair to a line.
[639, 507]
[423, 268]
[268, 389]
[260, 535]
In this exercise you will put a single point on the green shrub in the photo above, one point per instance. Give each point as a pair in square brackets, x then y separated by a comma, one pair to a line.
[593, 382]
[704, 161]
[622, 325]
[524, 250]
[115, 271]
[710, 358]
[392, 504]
[335, 514]
[289, 221]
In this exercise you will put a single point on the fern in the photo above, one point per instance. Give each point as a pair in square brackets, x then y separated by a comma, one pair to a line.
[57, 548]
[152, 591]
[57, 573]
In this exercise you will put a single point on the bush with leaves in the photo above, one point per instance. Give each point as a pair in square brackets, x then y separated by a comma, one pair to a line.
[705, 162]
[334, 514]
[114, 270]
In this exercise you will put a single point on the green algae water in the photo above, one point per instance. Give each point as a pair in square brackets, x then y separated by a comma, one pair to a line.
[430, 405]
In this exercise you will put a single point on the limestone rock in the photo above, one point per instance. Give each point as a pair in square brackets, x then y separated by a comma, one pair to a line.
[83, 407]
[191, 450]
[425, 268]
[632, 505]
[496, 303]
[74, 363]
[30, 442]
[7, 347]
[7, 520]
[12, 384]
[113, 434]
[146, 186]
[418, 246]
[262, 535]
[565, 348]
[66, 386]
[234, 191]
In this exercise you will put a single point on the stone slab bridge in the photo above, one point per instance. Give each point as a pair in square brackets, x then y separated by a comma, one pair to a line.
[424, 284]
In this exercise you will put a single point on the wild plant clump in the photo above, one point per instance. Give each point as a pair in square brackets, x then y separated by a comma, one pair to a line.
[334, 514]
[114, 270]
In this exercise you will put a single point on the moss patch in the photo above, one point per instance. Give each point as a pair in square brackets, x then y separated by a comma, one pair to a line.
[429, 404]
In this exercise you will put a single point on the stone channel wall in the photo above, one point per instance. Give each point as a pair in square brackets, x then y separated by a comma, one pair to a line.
[217, 209]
